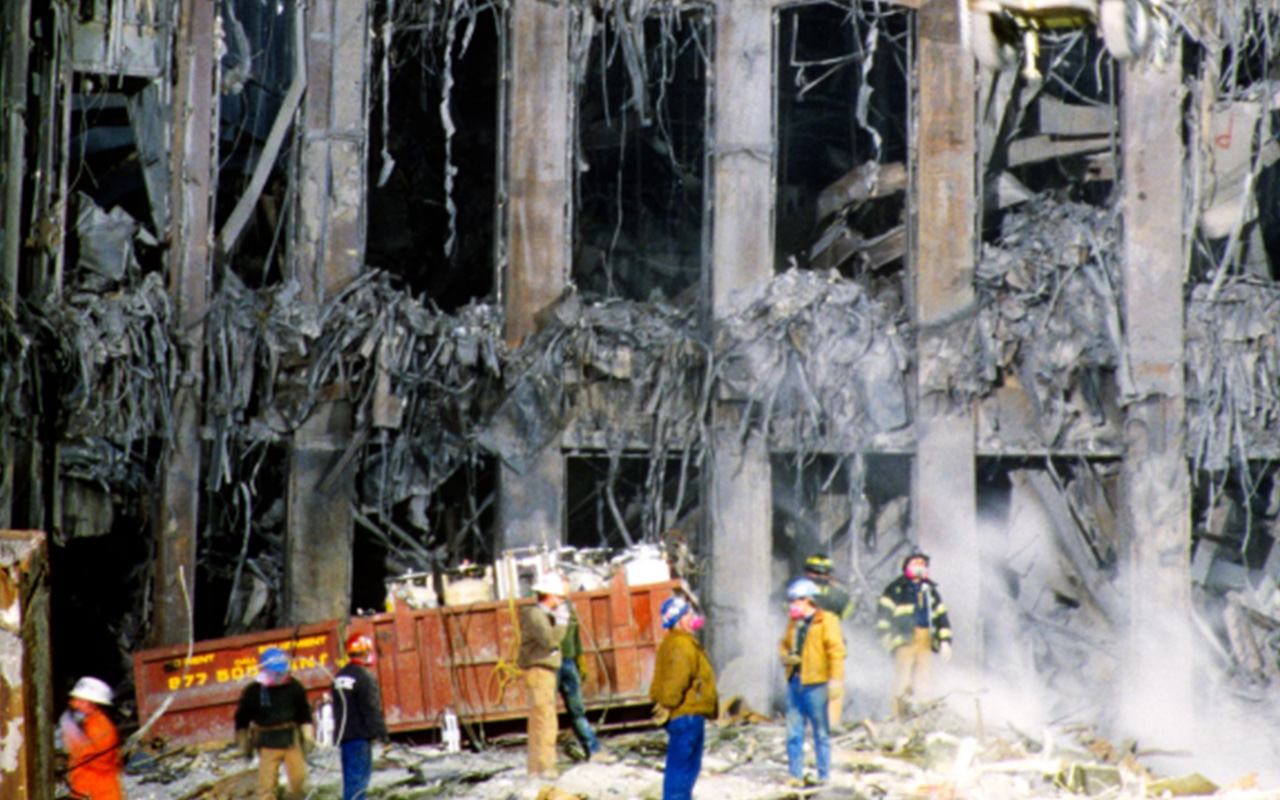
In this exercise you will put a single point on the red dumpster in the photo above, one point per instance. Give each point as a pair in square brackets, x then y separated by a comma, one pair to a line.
[430, 660]
[202, 692]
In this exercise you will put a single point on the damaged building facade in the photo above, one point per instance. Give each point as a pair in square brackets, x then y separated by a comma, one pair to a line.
[299, 298]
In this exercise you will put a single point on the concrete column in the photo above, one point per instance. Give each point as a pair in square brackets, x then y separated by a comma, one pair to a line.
[1156, 701]
[328, 253]
[540, 199]
[943, 491]
[740, 493]
[191, 232]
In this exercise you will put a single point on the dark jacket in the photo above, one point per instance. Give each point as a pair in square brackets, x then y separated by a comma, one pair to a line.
[357, 705]
[831, 597]
[683, 681]
[895, 616]
[275, 710]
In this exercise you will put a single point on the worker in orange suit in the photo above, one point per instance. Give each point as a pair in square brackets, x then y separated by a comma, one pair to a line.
[92, 742]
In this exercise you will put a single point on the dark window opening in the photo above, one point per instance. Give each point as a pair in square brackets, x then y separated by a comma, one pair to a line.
[256, 72]
[414, 520]
[617, 502]
[433, 138]
[1234, 515]
[842, 113]
[242, 548]
[642, 126]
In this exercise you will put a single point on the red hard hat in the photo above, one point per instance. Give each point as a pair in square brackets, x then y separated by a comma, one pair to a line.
[359, 643]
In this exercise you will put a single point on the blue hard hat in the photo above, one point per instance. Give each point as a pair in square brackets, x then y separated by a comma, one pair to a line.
[673, 608]
[802, 588]
[273, 659]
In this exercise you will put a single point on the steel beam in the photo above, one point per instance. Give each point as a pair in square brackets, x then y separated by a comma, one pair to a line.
[190, 234]
[1156, 509]
[328, 253]
[943, 483]
[739, 484]
[540, 197]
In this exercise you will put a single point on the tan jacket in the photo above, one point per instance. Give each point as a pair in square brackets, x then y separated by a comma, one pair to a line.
[823, 656]
[683, 681]
[540, 638]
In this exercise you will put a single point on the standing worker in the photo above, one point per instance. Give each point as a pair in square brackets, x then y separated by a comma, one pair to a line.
[569, 680]
[812, 653]
[913, 624]
[275, 717]
[684, 688]
[543, 626]
[360, 722]
[834, 599]
[92, 742]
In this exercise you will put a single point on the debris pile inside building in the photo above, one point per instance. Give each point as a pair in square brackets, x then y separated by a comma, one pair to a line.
[340, 315]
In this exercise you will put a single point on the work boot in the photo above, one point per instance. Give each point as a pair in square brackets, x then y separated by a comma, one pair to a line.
[603, 756]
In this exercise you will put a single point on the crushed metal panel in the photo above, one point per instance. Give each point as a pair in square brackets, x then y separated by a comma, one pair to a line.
[149, 111]
[26, 699]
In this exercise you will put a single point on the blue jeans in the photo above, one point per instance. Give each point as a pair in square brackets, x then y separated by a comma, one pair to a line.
[807, 702]
[570, 685]
[685, 737]
[357, 768]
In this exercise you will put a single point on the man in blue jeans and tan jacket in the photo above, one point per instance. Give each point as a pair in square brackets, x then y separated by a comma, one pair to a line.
[812, 653]
[684, 687]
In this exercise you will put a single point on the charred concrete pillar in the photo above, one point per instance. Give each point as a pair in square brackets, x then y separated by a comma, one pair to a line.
[190, 233]
[328, 253]
[943, 488]
[539, 192]
[1156, 700]
[26, 685]
[741, 503]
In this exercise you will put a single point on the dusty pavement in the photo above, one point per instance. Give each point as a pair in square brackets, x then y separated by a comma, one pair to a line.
[931, 756]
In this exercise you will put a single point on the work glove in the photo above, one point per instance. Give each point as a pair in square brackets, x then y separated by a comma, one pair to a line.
[308, 732]
[661, 714]
[244, 743]
[944, 650]
[791, 660]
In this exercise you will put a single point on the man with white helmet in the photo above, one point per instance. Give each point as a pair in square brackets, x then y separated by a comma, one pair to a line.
[92, 742]
[274, 716]
[812, 653]
[542, 628]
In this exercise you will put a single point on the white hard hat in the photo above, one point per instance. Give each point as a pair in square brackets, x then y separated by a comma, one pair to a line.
[93, 690]
[549, 583]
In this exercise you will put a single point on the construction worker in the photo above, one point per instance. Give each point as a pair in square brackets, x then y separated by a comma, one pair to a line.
[834, 599]
[812, 653]
[359, 709]
[274, 716]
[684, 690]
[573, 664]
[92, 742]
[913, 625]
[543, 626]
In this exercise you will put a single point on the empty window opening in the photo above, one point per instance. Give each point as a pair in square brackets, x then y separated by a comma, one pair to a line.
[257, 70]
[642, 128]
[842, 117]
[854, 509]
[420, 514]
[433, 139]
[616, 502]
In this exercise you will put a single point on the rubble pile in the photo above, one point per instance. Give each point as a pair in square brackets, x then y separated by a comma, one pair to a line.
[1049, 294]
[1233, 369]
[929, 756]
[815, 359]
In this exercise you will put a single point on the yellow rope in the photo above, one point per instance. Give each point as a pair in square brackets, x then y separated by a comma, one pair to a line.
[507, 669]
